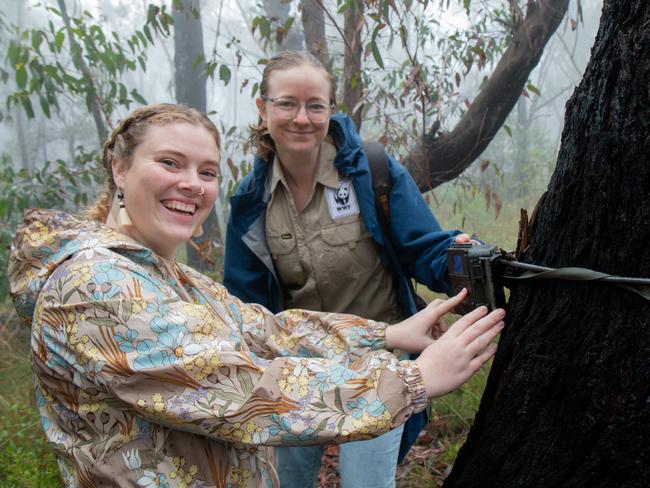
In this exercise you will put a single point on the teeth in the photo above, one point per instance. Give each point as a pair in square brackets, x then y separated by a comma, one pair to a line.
[183, 207]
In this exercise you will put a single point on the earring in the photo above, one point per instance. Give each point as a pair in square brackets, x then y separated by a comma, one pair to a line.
[123, 219]
[198, 231]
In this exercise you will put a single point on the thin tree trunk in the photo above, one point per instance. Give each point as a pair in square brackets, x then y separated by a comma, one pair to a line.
[352, 82]
[313, 26]
[190, 82]
[92, 99]
[567, 399]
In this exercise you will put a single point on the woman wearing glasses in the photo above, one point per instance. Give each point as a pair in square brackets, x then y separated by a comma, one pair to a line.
[303, 233]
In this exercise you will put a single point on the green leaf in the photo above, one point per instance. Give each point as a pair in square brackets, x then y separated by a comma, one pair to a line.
[288, 23]
[45, 107]
[37, 39]
[532, 88]
[27, 107]
[152, 11]
[147, 32]
[224, 74]
[466, 5]
[13, 52]
[377, 55]
[137, 97]
[21, 77]
[58, 40]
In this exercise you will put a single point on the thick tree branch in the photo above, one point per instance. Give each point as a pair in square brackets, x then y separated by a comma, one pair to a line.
[442, 157]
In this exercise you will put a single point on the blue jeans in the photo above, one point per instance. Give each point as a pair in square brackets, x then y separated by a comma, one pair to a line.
[362, 464]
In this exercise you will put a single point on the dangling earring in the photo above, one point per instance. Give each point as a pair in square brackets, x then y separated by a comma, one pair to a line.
[198, 231]
[123, 219]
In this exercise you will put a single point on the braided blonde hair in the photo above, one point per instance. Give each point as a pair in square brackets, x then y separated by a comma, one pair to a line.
[259, 137]
[128, 135]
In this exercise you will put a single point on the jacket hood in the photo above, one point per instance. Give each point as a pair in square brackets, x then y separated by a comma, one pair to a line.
[46, 239]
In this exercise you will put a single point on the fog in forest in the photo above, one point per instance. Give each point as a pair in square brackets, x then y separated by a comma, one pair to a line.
[127, 50]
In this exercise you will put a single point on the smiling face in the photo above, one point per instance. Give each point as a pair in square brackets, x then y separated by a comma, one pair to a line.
[162, 184]
[296, 137]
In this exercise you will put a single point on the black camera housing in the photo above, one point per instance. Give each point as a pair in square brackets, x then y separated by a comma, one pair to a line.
[474, 267]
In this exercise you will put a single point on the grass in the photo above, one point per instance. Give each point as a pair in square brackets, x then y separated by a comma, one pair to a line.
[26, 459]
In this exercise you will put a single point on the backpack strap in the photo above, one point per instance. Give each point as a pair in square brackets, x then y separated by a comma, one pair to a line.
[382, 184]
[381, 181]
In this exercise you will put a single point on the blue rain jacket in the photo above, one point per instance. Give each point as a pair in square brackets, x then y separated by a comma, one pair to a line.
[416, 249]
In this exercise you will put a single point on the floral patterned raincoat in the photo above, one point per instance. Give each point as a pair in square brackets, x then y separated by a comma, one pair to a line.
[150, 374]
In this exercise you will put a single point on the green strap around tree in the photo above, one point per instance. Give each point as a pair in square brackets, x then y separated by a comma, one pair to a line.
[640, 286]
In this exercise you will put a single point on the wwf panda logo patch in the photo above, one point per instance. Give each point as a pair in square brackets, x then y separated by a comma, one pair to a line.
[342, 201]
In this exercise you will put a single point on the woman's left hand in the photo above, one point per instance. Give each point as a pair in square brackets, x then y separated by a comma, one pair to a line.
[417, 332]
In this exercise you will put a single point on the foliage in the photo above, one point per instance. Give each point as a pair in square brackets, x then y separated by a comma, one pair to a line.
[58, 184]
[403, 99]
[90, 69]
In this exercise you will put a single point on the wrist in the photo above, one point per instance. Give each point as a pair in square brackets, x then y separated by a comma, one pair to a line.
[389, 338]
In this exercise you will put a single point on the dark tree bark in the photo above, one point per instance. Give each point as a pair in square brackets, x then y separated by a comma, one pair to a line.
[442, 157]
[567, 403]
[190, 80]
[352, 83]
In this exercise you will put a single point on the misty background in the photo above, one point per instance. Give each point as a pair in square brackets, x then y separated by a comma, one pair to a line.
[454, 44]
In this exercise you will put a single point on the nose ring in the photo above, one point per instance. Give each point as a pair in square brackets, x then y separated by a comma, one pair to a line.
[201, 191]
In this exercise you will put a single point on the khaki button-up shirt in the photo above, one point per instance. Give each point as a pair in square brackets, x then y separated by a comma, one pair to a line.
[324, 257]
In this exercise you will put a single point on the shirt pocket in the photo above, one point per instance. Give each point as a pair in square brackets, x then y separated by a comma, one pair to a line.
[286, 260]
[349, 246]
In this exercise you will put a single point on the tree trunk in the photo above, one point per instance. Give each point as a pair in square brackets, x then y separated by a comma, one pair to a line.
[521, 151]
[352, 82]
[92, 99]
[567, 403]
[313, 26]
[279, 9]
[445, 156]
[189, 80]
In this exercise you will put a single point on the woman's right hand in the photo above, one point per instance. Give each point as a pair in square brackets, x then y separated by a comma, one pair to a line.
[460, 351]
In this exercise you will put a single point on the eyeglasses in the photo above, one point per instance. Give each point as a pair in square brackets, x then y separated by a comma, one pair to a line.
[287, 108]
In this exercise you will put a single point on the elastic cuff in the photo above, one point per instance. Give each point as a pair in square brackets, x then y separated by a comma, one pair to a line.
[377, 335]
[415, 386]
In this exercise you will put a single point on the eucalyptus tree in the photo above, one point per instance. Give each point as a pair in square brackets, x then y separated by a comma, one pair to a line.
[190, 85]
[566, 402]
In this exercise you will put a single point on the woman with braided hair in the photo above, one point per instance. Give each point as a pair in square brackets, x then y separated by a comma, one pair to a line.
[150, 374]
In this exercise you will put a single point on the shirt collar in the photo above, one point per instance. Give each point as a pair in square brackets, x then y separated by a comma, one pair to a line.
[326, 172]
